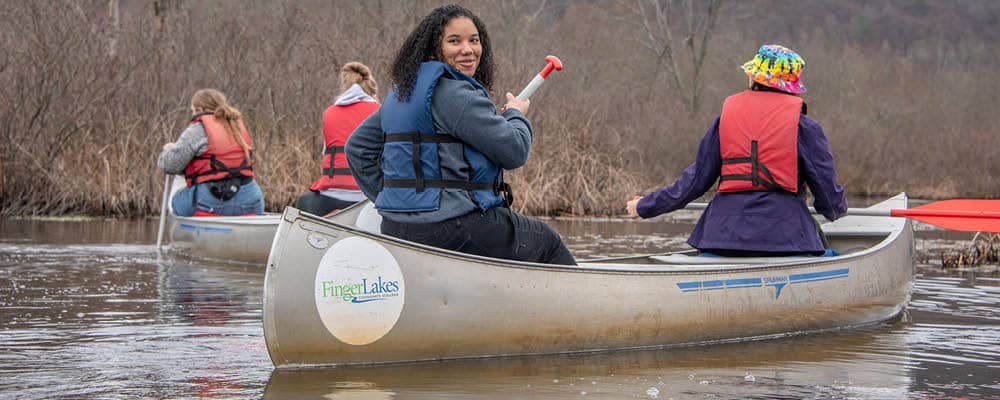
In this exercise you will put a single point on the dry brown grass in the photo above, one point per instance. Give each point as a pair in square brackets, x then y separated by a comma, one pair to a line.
[983, 250]
[86, 105]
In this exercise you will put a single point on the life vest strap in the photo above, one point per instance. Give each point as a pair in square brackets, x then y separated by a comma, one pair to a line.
[216, 166]
[336, 171]
[219, 166]
[756, 169]
[329, 170]
[747, 177]
[437, 184]
[417, 137]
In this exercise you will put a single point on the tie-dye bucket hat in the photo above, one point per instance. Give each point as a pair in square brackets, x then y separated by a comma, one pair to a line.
[777, 67]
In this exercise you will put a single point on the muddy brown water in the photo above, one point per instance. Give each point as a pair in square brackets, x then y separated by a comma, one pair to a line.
[88, 311]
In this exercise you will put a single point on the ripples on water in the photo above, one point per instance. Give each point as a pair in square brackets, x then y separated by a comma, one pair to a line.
[87, 311]
[91, 321]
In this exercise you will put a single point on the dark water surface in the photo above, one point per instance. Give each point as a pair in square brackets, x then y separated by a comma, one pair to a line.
[87, 311]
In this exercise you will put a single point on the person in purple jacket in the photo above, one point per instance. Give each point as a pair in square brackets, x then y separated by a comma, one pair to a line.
[764, 151]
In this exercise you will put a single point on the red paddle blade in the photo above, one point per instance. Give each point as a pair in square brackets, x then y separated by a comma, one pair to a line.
[969, 215]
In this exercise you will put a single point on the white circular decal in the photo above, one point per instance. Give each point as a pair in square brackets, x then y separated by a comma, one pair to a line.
[359, 290]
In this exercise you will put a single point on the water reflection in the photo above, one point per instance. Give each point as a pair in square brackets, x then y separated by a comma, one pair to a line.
[87, 311]
[109, 320]
[593, 238]
[954, 333]
[835, 365]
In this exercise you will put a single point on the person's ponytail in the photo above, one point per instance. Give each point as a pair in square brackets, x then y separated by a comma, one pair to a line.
[228, 113]
[230, 118]
[358, 73]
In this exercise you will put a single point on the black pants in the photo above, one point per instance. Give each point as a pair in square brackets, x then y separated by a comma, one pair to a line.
[497, 232]
[317, 204]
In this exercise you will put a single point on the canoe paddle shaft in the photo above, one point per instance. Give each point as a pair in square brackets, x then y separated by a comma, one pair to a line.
[551, 63]
[163, 212]
[968, 215]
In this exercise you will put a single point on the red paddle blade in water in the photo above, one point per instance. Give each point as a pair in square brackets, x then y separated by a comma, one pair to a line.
[970, 215]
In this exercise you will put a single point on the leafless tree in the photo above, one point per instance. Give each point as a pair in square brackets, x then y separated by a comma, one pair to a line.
[658, 22]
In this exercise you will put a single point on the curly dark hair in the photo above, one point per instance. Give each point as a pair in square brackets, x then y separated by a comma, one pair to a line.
[424, 44]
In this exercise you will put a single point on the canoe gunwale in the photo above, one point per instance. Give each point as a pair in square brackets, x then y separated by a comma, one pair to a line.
[292, 214]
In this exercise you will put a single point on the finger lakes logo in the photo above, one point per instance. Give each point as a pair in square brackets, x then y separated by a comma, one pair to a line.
[363, 291]
[358, 280]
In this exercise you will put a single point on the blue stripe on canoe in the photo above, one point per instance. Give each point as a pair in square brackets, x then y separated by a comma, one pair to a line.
[745, 282]
[696, 286]
[818, 276]
[712, 284]
[196, 228]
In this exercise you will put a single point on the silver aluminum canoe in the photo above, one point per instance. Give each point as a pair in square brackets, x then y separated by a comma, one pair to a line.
[339, 293]
[228, 239]
[241, 239]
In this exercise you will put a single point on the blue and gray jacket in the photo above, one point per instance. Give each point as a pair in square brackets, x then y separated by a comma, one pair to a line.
[412, 179]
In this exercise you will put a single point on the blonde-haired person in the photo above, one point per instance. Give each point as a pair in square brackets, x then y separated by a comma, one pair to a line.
[336, 188]
[214, 154]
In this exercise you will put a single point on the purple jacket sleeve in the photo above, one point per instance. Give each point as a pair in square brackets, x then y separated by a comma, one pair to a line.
[696, 179]
[817, 167]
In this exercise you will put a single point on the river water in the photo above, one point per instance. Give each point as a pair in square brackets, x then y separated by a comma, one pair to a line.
[88, 311]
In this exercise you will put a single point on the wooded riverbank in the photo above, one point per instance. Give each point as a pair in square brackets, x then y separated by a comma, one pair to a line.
[905, 91]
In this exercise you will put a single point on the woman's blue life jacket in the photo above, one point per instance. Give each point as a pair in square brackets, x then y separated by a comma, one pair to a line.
[411, 169]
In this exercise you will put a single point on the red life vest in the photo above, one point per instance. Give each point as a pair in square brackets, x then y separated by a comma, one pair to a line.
[224, 158]
[338, 124]
[758, 140]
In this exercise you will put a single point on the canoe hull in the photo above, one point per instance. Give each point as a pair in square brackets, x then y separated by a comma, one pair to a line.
[240, 239]
[447, 305]
[228, 239]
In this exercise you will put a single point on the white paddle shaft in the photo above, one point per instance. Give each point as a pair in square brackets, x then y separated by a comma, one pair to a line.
[850, 211]
[532, 86]
[163, 212]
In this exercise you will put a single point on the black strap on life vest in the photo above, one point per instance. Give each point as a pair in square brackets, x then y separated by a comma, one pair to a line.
[216, 166]
[329, 170]
[503, 189]
[756, 169]
[437, 184]
[419, 183]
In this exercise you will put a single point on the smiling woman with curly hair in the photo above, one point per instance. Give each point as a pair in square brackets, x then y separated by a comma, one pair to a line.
[424, 44]
[432, 158]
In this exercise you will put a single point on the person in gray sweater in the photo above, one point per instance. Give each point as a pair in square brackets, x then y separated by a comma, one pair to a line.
[439, 116]
[214, 155]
